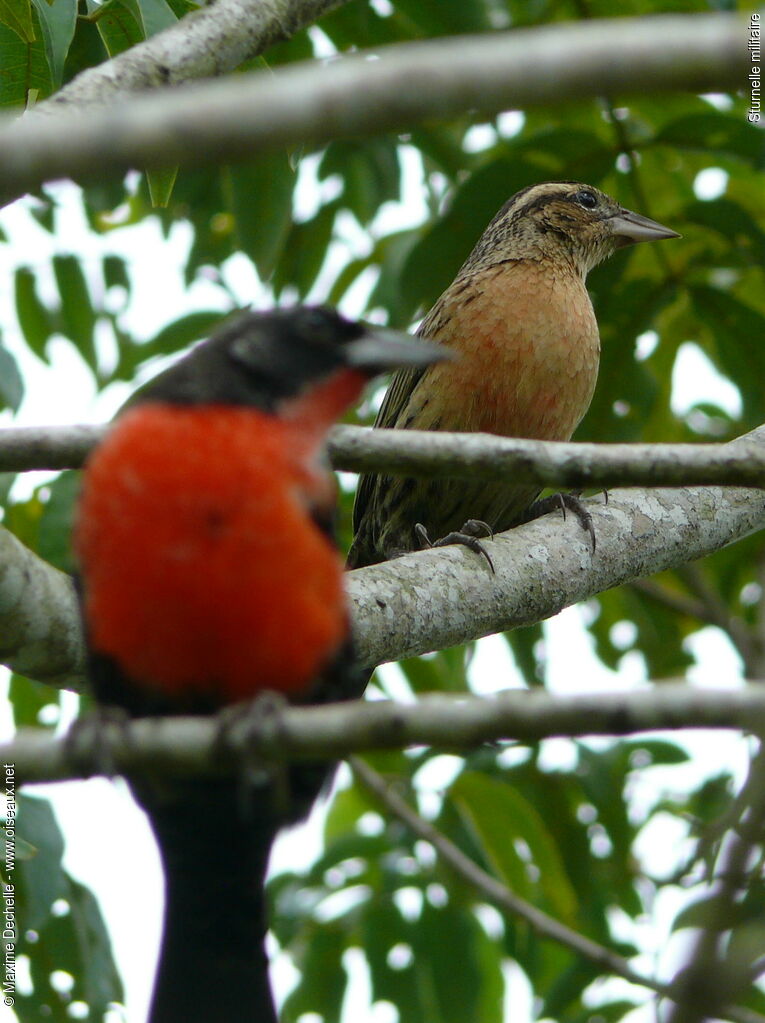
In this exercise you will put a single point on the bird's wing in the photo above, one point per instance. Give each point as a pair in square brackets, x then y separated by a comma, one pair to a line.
[396, 398]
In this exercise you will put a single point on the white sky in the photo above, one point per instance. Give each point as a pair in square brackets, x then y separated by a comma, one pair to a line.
[109, 847]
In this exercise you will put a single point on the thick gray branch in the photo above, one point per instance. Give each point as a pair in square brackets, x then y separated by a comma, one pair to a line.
[210, 42]
[187, 745]
[430, 601]
[436, 599]
[403, 85]
[462, 455]
[39, 627]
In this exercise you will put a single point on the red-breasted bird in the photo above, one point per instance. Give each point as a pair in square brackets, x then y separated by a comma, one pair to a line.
[208, 575]
[520, 317]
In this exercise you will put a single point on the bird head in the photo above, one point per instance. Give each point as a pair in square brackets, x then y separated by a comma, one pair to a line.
[565, 221]
[266, 360]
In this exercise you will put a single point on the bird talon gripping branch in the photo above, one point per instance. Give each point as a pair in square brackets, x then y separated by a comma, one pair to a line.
[209, 575]
[519, 315]
[562, 502]
[458, 537]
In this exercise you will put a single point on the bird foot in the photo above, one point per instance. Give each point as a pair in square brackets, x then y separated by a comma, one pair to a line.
[466, 537]
[89, 743]
[244, 729]
[565, 502]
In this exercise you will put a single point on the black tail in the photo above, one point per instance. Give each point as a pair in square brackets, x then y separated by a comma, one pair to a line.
[214, 842]
[215, 839]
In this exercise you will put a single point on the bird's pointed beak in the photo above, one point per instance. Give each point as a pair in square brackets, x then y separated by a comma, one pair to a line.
[629, 228]
[380, 349]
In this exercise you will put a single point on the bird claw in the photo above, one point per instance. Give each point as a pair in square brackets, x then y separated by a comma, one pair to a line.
[89, 741]
[565, 502]
[477, 527]
[242, 729]
[465, 537]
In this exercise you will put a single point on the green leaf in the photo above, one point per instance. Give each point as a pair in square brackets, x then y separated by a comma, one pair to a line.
[498, 815]
[382, 929]
[323, 979]
[95, 967]
[78, 318]
[370, 172]
[714, 133]
[43, 873]
[304, 253]
[445, 671]
[181, 8]
[56, 521]
[17, 15]
[119, 24]
[260, 196]
[11, 382]
[161, 182]
[72, 939]
[449, 17]
[57, 22]
[156, 15]
[736, 331]
[347, 807]
[34, 318]
[447, 970]
[733, 222]
[25, 76]
[115, 272]
[28, 699]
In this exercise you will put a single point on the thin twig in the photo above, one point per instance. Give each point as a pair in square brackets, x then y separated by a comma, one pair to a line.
[719, 614]
[501, 896]
[678, 602]
[709, 978]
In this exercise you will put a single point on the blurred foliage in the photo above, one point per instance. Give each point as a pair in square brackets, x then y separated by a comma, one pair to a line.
[327, 225]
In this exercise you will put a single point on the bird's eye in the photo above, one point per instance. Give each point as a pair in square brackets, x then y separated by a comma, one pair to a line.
[586, 198]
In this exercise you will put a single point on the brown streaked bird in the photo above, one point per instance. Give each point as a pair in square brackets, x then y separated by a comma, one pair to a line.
[520, 317]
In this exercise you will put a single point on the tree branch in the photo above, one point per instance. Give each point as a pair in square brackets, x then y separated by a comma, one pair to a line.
[209, 42]
[496, 893]
[433, 600]
[183, 746]
[426, 453]
[439, 598]
[405, 84]
[744, 639]
[506, 900]
[712, 611]
[714, 974]
[28, 448]
[549, 463]
[40, 632]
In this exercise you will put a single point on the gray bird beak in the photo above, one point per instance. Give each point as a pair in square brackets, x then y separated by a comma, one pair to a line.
[630, 228]
[380, 349]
